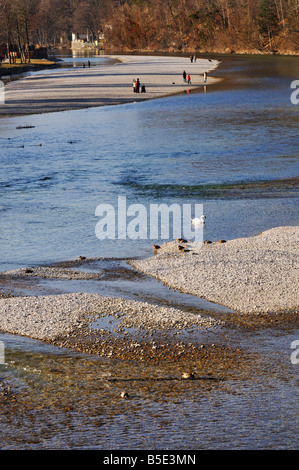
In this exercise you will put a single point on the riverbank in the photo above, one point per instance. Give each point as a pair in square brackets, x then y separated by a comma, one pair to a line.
[249, 275]
[80, 88]
[35, 65]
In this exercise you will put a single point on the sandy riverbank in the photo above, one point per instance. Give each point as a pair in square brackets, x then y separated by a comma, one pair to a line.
[65, 89]
[248, 275]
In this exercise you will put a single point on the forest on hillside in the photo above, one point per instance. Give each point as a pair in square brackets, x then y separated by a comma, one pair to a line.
[242, 26]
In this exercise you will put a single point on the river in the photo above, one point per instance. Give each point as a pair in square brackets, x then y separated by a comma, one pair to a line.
[232, 148]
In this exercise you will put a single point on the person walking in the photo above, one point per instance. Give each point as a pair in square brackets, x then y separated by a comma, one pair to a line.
[137, 85]
[184, 76]
[188, 79]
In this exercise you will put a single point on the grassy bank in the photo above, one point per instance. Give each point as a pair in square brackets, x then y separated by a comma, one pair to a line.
[18, 67]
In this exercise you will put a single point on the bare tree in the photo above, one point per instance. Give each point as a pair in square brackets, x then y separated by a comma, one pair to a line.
[6, 25]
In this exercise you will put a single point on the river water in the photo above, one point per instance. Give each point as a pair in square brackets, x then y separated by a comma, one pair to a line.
[232, 147]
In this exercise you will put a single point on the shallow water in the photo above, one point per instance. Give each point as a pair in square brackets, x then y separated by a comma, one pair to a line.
[67, 400]
[233, 148]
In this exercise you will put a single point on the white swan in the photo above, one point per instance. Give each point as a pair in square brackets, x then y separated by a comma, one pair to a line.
[199, 220]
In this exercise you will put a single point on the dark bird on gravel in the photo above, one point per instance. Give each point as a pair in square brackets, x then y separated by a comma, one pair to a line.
[156, 247]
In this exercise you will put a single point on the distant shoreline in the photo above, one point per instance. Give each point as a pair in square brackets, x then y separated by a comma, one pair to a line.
[19, 69]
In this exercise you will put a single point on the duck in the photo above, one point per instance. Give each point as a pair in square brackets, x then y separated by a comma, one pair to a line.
[124, 395]
[28, 271]
[156, 247]
[181, 248]
[181, 240]
[81, 258]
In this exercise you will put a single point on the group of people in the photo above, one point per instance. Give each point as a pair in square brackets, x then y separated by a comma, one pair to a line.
[137, 87]
[187, 78]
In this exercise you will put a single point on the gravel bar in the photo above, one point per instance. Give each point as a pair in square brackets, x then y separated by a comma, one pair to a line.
[48, 317]
[64, 89]
[49, 272]
[248, 275]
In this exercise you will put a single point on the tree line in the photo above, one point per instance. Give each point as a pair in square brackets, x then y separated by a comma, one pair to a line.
[154, 25]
